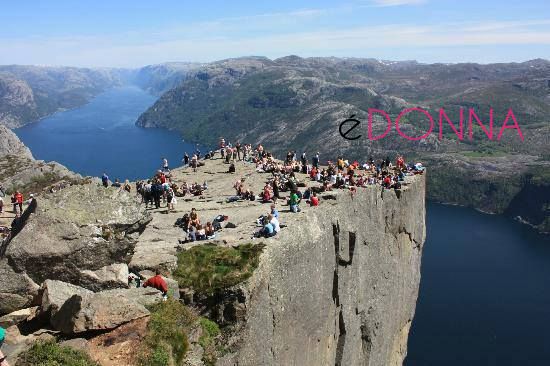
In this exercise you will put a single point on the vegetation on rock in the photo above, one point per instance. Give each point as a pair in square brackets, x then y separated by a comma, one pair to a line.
[166, 340]
[207, 268]
[52, 354]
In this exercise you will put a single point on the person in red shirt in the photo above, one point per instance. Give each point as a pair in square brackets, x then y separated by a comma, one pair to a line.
[157, 282]
[18, 201]
[314, 200]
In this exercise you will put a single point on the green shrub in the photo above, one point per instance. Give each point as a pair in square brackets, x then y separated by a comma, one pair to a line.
[207, 268]
[210, 330]
[52, 354]
[166, 338]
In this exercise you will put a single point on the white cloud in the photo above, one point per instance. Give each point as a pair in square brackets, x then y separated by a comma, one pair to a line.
[263, 35]
[396, 2]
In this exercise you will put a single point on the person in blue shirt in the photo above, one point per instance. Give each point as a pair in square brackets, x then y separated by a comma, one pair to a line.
[105, 180]
[274, 212]
[268, 230]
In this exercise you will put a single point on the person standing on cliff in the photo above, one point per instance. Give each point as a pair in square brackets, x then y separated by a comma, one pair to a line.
[105, 180]
[165, 166]
[17, 201]
[316, 161]
[238, 147]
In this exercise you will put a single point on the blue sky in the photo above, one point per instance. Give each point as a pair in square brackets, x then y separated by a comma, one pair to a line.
[123, 33]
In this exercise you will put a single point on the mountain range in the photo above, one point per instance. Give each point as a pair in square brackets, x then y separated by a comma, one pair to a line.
[295, 103]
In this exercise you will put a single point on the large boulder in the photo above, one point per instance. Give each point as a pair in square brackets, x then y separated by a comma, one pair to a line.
[17, 290]
[105, 278]
[79, 228]
[56, 293]
[18, 316]
[73, 309]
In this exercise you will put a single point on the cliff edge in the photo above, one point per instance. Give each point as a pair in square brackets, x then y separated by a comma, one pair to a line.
[339, 287]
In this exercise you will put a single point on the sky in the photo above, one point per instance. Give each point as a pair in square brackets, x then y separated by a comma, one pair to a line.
[135, 33]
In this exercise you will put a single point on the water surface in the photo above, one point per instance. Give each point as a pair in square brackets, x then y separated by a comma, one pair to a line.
[101, 136]
[484, 293]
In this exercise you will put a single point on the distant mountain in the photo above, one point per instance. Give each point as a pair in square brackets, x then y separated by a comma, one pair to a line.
[157, 79]
[28, 93]
[297, 103]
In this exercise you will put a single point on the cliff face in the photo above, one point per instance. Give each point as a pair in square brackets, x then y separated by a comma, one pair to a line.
[340, 286]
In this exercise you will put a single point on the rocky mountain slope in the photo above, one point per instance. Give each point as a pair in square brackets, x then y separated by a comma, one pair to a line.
[323, 291]
[296, 103]
[28, 93]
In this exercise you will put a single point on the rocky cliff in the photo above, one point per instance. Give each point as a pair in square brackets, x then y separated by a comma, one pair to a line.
[339, 287]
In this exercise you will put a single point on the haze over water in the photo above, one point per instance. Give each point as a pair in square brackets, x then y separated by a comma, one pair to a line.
[484, 296]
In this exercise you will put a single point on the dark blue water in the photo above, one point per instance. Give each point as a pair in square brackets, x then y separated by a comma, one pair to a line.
[101, 136]
[484, 294]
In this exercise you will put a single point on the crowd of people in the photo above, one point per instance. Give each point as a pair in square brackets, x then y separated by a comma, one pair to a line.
[296, 180]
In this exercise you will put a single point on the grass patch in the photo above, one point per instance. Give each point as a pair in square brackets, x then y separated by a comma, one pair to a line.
[52, 354]
[210, 330]
[166, 340]
[207, 268]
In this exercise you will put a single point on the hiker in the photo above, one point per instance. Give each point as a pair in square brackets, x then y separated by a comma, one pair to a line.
[127, 187]
[105, 180]
[1, 204]
[274, 212]
[316, 161]
[294, 202]
[210, 231]
[156, 192]
[314, 200]
[17, 200]
[3, 361]
[157, 282]
[116, 184]
[185, 159]
[275, 223]
[170, 199]
[201, 233]
[165, 166]
[268, 230]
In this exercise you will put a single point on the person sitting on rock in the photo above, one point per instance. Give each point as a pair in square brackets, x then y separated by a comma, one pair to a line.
[157, 282]
[194, 218]
[201, 233]
[294, 202]
[209, 231]
[314, 200]
[268, 230]
[275, 223]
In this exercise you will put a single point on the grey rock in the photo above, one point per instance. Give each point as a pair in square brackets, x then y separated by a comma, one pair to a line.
[339, 285]
[17, 317]
[76, 310]
[55, 293]
[82, 227]
[105, 278]
[11, 145]
[17, 290]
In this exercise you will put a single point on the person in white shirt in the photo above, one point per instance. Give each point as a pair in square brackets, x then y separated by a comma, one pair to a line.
[275, 223]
